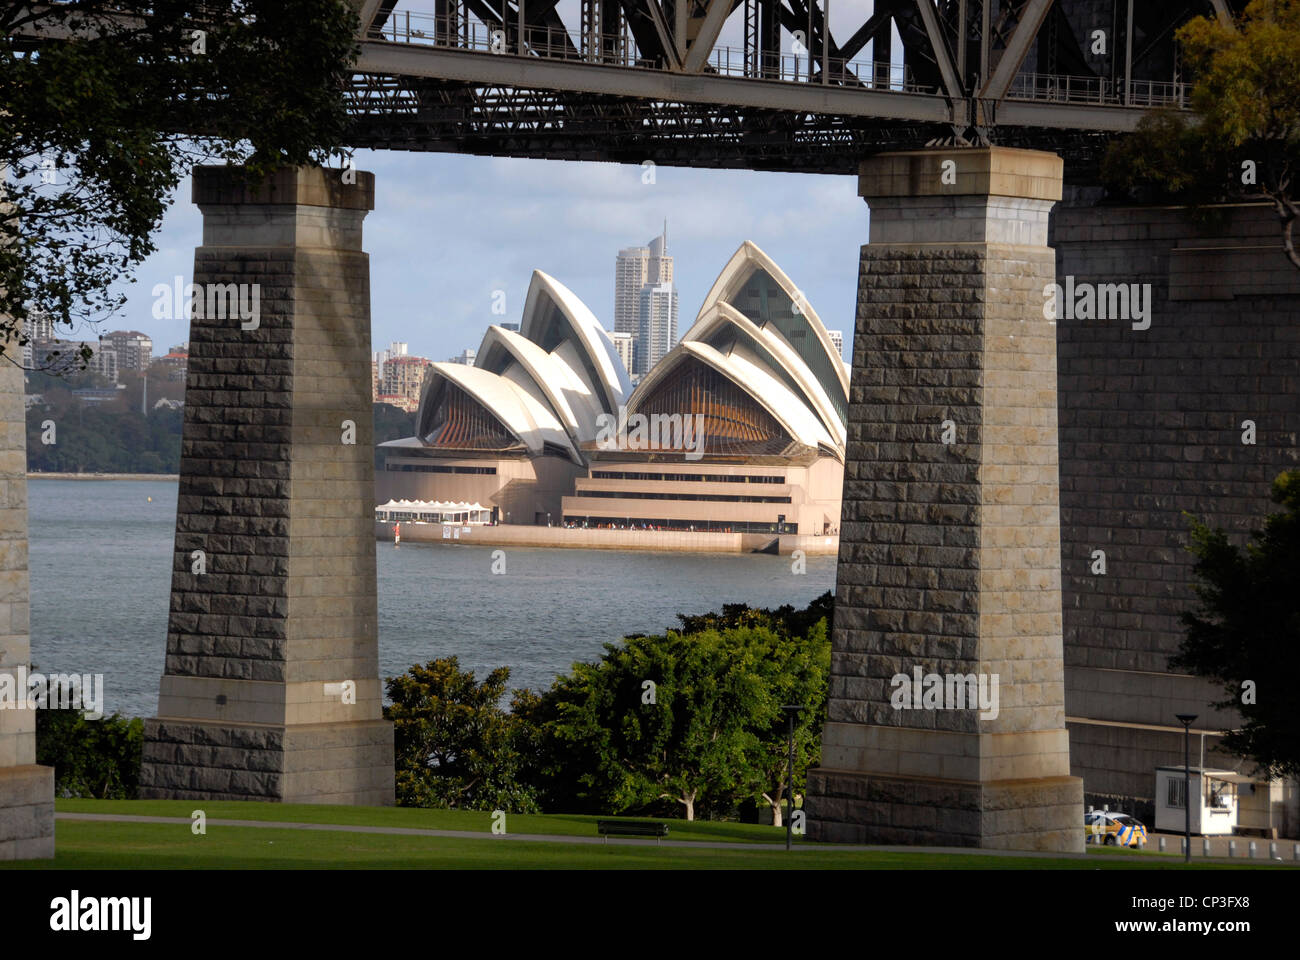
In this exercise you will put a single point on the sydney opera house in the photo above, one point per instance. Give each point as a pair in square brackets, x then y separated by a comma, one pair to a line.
[739, 428]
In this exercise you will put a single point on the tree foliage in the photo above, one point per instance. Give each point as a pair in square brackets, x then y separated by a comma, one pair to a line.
[391, 423]
[1243, 140]
[454, 745]
[98, 128]
[1248, 629]
[689, 720]
[91, 758]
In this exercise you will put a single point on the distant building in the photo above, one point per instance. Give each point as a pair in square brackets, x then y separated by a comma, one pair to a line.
[134, 349]
[402, 403]
[402, 376]
[63, 358]
[837, 340]
[175, 363]
[374, 381]
[40, 325]
[658, 329]
[169, 404]
[466, 357]
[104, 361]
[623, 344]
[383, 356]
[98, 394]
[514, 327]
[37, 328]
[635, 269]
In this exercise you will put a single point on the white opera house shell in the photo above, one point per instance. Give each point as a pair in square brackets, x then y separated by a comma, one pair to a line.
[546, 428]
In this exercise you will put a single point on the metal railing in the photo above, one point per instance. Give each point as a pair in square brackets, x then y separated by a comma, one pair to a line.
[558, 43]
[1063, 88]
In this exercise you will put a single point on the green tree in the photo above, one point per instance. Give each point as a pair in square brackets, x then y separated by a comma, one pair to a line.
[104, 112]
[1248, 630]
[1242, 140]
[391, 423]
[796, 669]
[91, 758]
[794, 656]
[454, 745]
[656, 718]
[690, 717]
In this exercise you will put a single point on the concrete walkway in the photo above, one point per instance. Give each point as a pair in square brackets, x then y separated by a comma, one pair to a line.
[559, 838]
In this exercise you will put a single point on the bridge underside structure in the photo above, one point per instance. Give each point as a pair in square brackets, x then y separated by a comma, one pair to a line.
[794, 85]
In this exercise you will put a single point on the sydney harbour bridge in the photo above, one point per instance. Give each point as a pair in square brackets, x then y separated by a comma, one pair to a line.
[650, 80]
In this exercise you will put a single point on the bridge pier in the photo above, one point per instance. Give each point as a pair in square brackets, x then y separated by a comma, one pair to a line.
[950, 562]
[26, 790]
[271, 689]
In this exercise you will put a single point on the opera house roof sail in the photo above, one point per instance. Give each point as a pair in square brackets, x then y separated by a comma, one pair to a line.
[757, 371]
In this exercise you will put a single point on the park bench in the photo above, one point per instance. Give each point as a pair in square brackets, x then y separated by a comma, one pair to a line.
[631, 828]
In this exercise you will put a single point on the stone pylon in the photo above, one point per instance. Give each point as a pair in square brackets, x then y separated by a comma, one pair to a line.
[271, 689]
[950, 563]
[26, 790]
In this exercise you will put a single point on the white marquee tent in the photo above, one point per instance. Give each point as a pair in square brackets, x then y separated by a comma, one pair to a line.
[435, 511]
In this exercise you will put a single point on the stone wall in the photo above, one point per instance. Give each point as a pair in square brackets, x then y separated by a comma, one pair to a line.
[279, 507]
[949, 546]
[1150, 428]
[26, 790]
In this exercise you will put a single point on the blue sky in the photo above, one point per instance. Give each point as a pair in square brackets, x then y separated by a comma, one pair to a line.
[448, 230]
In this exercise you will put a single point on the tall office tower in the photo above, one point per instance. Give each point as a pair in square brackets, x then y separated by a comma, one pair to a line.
[837, 339]
[635, 268]
[630, 267]
[658, 328]
[623, 344]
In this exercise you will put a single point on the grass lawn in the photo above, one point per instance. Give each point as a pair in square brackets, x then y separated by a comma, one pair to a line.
[107, 845]
[476, 821]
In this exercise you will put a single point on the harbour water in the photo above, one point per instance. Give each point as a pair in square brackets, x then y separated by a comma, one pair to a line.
[101, 556]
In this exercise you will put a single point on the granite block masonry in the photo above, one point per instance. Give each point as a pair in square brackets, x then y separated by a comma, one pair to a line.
[26, 788]
[950, 535]
[271, 687]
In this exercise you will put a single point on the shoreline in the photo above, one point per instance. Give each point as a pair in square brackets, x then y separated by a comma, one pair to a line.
[594, 538]
[102, 476]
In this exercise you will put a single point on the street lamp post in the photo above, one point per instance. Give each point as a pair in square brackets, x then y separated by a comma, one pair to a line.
[790, 711]
[1186, 720]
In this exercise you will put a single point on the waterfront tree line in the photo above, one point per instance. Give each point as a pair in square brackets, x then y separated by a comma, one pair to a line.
[67, 434]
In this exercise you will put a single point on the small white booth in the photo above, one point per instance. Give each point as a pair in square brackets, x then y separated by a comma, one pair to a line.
[1214, 800]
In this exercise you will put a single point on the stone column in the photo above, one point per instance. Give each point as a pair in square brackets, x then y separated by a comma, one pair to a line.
[950, 539]
[271, 689]
[26, 790]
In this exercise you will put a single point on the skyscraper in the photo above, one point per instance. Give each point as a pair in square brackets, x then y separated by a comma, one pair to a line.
[636, 270]
[658, 329]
